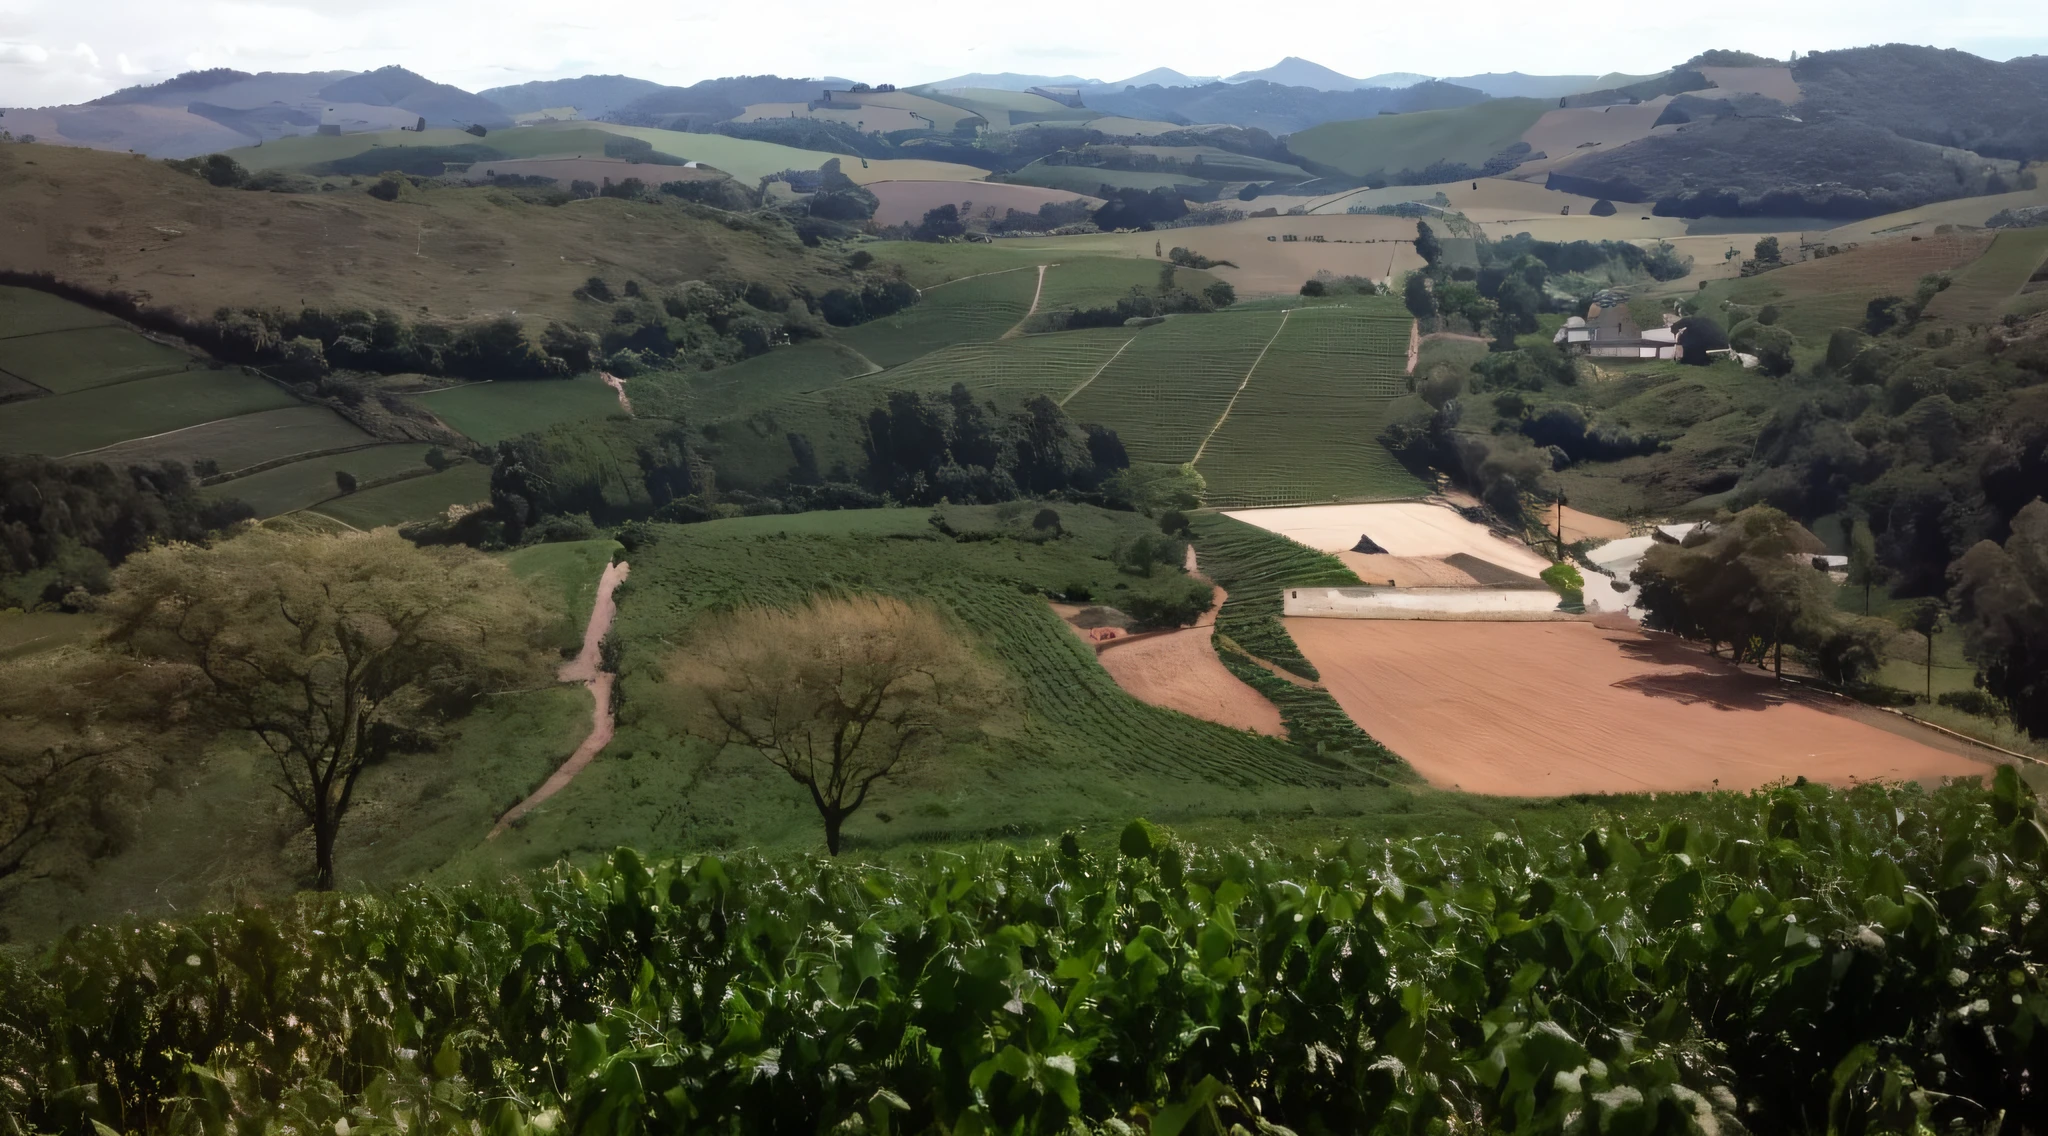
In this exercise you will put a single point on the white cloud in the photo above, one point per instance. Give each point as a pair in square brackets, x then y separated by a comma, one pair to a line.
[478, 43]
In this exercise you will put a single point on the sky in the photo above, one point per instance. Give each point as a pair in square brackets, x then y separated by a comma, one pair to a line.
[65, 51]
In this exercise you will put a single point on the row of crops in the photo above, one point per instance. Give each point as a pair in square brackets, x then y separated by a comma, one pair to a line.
[1793, 960]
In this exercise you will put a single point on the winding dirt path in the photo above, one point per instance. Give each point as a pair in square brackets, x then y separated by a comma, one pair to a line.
[583, 668]
[618, 384]
[1245, 382]
[1033, 310]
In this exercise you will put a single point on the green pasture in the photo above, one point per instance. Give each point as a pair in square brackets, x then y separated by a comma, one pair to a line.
[82, 358]
[1099, 281]
[565, 576]
[25, 311]
[1223, 165]
[1072, 750]
[1986, 288]
[1005, 109]
[494, 411]
[413, 499]
[89, 419]
[245, 440]
[1164, 392]
[1306, 426]
[546, 139]
[960, 311]
[925, 265]
[1412, 141]
[302, 484]
[1712, 414]
[762, 380]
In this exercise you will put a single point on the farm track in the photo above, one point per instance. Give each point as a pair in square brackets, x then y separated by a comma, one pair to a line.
[1252, 370]
[1018, 330]
[1098, 371]
[586, 668]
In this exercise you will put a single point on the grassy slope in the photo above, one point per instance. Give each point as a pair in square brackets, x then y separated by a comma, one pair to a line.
[445, 254]
[493, 412]
[1817, 296]
[1090, 180]
[65, 361]
[750, 161]
[1074, 751]
[89, 419]
[304, 484]
[413, 499]
[964, 311]
[1392, 142]
[1713, 414]
[220, 835]
[1983, 291]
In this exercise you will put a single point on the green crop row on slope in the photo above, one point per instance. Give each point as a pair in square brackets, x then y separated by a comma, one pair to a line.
[1791, 960]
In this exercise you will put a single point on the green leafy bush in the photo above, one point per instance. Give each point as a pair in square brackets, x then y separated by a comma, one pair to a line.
[1791, 960]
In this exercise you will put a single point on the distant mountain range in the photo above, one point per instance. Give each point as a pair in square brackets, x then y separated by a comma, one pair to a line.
[1009, 81]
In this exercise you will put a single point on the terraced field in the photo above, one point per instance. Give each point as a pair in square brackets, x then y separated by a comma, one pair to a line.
[304, 484]
[1165, 391]
[962, 311]
[1306, 425]
[493, 412]
[245, 440]
[413, 499]
[1983, 291]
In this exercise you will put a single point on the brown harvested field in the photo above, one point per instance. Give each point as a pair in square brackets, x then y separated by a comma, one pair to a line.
[1893, 264]
[1369, 246]
[121, 222]
[1770, 82]
[906, 202]
[1406, 571]
[1580, 526]
[597, 171]
[1551, 709]
[1401, 528]
[1179, 670]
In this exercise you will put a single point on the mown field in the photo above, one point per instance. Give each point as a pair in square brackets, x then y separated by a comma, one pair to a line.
[1817, 296]
[1393, 142]
[412, 499]
[303, 484]
[1988, 287]
[960, 311]
[492, 412]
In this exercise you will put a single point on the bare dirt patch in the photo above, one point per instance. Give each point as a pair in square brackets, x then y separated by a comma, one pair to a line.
[1548, 709]
[1401, 528]
[1406, 571]
[586, 668]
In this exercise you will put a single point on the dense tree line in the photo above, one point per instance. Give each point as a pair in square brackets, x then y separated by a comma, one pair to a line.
[65, 525]
[923, 447]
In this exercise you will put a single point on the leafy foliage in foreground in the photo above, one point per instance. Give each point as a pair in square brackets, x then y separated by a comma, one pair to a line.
[1780, 961]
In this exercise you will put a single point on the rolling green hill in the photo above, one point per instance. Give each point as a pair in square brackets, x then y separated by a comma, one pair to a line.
[1388, 144]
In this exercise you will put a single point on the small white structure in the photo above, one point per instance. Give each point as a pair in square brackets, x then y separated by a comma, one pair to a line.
[1423, 603]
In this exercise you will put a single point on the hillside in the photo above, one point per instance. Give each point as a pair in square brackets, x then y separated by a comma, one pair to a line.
[438, 103]
[1295, 71]
[1948, 98]
[1830, 167]
[121, 223]
[593, 96]
[1404, 147]
[1273, 107]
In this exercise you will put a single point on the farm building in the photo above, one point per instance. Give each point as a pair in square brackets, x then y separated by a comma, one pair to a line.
[1610, 333]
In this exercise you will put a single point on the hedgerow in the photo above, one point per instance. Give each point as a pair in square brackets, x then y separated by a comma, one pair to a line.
[1795, 959]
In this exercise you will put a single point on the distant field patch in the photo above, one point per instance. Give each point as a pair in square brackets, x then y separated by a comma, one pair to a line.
[1099, 281]
[1090, 180]
[1164, 392]
[871, 119]
[1116, 126]
[493, 412]
[25, 311]
[1981, 292]
[764, 379]
[415, 498]
[1817, 296]
[1770, 82]
[964, 311]
[89, 419]
[906, 202]
[1392, 142]
[1306, 425]
[1369, 246]
[82, 358]
[245, 440]
[925, 264]
[303, 484]
[750, 161]
[595, 169]
[1004, 109]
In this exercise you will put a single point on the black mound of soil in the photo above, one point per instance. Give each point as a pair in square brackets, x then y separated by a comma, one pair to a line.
[1365, 544]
